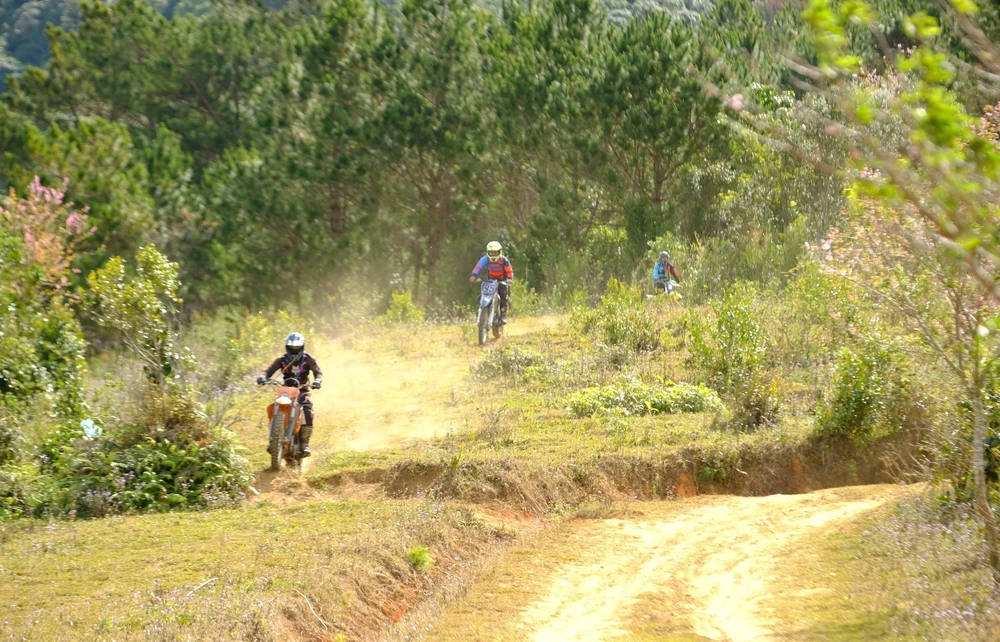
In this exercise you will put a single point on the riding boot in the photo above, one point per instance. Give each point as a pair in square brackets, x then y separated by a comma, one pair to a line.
[503, 315]
[305, 432]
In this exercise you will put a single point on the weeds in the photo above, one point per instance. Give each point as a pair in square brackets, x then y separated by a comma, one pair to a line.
[620, 320]
[513, 361]
[419, 557]
[637, 398]
[402, 310]
[931, 563]
[873, 396]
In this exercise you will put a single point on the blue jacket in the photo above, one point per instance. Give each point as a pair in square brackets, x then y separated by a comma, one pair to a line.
[660, 272]
[498, 269]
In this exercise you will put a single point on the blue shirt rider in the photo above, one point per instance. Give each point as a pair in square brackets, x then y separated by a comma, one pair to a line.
[497, 267]
[663, 271]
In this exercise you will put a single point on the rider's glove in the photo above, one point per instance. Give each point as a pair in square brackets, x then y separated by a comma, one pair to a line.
[316, 385]
[261, 380]
[472, 279]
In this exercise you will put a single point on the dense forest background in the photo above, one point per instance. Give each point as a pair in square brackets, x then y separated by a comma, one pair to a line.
[317, 150]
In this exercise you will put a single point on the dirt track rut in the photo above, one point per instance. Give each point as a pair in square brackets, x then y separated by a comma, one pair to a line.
[706, 567]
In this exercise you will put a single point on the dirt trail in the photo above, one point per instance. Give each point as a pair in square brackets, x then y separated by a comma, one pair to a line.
[377, 399]
[703, 567]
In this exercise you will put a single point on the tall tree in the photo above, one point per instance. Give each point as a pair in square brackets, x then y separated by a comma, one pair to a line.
[656, 116]
[433, 129]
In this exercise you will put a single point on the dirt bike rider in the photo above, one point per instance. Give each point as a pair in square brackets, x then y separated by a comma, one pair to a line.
[662, 272]
[297, 364]
[497, 267]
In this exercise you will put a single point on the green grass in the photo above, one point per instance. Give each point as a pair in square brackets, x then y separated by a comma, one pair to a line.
[514, 443]
[901, 573]
[114, 578]
[831, 600]
[419, 557]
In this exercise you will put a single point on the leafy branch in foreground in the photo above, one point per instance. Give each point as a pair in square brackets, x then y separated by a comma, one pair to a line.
[934, 184]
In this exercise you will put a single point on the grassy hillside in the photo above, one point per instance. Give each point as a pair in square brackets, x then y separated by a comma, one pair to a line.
[423, 440]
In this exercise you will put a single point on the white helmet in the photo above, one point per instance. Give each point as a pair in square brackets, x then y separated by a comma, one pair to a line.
[295, 344]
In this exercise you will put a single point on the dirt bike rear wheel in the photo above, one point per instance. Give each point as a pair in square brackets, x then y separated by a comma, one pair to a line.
[484, 326]
[274, 440]
[497, 331]
[293, 458]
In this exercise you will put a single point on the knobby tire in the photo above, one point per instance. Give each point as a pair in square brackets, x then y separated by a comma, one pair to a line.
[274, 440]
[484, 326]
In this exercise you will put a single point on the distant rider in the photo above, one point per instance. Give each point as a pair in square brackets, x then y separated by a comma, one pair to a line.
[662, 272]
[298, 364]
[497, 267]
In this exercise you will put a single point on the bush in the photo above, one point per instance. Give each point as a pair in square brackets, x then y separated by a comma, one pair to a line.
[524, 300]
[11, 439]
[756, 405]
[621, 319]
[419, 557]
[729, 345]
[173, 458]
[732, 350]
[873, 393]
[512, 361]
[636, 398]
[402, 309]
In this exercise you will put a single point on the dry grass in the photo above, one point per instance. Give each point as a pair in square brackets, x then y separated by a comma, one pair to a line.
[272, 573]
[400, 409]
[908, 572]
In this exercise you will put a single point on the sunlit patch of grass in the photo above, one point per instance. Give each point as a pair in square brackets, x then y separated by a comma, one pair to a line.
[199, 573]
[902, 573]
[419, 557]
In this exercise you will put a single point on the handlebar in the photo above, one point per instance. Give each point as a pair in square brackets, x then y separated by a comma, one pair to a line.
[273, 382]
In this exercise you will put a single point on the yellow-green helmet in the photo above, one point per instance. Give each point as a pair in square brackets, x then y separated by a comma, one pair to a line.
[494, 249]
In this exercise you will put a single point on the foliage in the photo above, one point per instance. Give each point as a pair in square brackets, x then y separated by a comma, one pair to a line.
[873, 395]
[637, 398]
[729, 344]
[620, 319]
[402, 309]
[41, 343]
[512, 361]
[524, 300]
[172, 459]
[419, 557]
[338, 135]
[141, 308]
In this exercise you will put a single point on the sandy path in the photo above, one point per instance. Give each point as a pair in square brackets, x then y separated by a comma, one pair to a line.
[373, 400]
[708, 564]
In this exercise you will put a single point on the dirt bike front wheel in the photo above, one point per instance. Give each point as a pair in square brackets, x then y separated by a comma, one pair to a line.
[484, 326]
[274, 440]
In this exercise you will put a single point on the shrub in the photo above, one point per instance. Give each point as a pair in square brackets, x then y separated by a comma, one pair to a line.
[41, 344]
[732, 349]
[172, 458]
[524, 300]
[142, 308]
[873, 394]
[756, 405]
[11, 439]
[402, 309]
[636, 398]
[621, 319]
[419, 557]
[729, 345]
[512, 361]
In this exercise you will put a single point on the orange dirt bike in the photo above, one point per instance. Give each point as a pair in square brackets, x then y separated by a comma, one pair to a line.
[285, 415]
